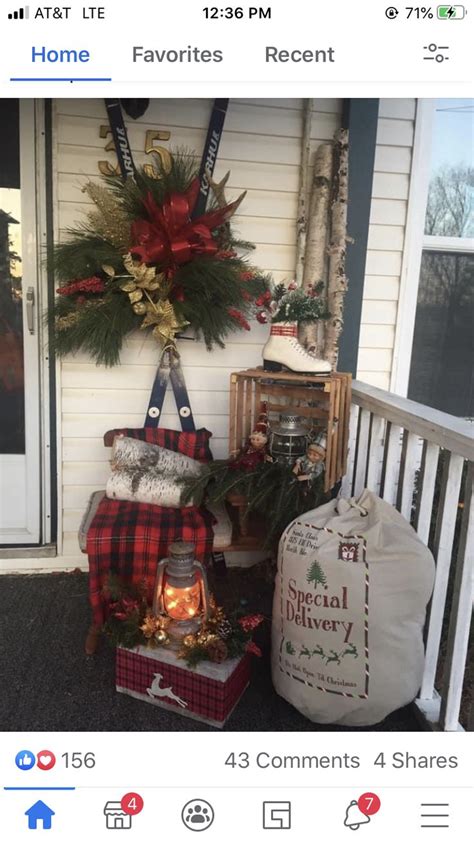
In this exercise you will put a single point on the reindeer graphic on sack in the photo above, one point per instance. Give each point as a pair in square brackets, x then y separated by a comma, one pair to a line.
[351, 592]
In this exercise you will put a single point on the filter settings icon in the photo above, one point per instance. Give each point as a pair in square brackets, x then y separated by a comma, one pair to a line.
[277, 815]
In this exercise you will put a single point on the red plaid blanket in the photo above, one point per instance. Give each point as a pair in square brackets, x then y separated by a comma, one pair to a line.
[193, 444]
[128, 540]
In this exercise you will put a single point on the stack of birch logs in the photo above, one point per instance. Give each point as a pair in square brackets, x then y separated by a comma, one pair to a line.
[147, 473]
[322, 235]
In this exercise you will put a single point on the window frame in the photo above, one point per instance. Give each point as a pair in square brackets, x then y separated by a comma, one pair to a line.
[417, 242]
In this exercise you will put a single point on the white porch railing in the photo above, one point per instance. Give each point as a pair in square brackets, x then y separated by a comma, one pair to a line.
[394, 447]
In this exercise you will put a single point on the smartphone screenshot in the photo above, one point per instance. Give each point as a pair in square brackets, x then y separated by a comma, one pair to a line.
[236, 421]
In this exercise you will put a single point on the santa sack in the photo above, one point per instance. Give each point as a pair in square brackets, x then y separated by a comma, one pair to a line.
[350, 600]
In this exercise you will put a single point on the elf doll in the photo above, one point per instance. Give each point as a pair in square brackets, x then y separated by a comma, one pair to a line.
[311, 466]
[255, 451]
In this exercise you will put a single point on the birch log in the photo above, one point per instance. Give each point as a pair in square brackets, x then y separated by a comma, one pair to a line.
[301, 221]
[337, 281]
[148, 486]
[311, 334]
[128, 452]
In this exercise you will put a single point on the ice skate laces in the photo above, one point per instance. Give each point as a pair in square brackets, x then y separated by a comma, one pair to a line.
[299, 348]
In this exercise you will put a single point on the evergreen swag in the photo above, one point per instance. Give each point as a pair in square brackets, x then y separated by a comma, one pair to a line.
[292, 304]
[271, 490]
[298, 305]
[131, 623]
[140, 261]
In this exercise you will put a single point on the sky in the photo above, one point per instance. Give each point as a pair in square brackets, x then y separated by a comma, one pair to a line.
[453, 133]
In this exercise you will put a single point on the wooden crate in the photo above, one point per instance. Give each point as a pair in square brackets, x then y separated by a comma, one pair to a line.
[325, 400]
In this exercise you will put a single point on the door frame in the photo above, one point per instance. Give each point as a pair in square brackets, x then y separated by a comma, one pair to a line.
[47, 361]
[37, 529]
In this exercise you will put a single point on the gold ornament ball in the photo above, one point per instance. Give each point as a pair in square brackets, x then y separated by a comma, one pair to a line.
[207, 637]
[161, 637]
[189, 641]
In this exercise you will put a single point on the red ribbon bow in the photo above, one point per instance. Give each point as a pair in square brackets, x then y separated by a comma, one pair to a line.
[169, 237]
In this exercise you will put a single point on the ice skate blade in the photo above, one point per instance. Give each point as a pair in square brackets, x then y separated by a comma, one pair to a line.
[271, 366]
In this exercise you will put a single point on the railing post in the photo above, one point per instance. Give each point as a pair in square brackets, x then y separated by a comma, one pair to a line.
[461, 612]
[374, 468]
[362, 451]
[424, 509]
[391, 466]
[445, 525]
[409, 464]
[348, 479]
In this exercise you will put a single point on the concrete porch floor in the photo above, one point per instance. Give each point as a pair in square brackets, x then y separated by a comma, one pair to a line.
[49, 684]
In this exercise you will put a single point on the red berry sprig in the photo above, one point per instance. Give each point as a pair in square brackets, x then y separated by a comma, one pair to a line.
[239, 317]
[84, 285]
[250, 622]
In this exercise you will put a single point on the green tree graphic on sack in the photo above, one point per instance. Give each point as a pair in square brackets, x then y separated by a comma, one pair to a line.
[316, 575]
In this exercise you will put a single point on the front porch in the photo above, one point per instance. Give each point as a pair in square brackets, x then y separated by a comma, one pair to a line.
[416, 458]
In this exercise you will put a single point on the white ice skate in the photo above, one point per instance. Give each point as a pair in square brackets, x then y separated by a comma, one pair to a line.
[282, 350]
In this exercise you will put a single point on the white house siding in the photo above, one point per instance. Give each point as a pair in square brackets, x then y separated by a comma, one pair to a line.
[393, 157]
[261, 147]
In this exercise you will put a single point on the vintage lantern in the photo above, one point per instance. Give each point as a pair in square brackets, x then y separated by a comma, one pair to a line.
[288, 440]
[181, 590]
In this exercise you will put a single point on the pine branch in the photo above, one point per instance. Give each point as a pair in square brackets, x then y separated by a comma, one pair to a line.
[83, 256]
[298, 306]
[271, 490]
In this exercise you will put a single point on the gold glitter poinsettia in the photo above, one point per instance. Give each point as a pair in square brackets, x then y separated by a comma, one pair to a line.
[153, 624]
[162, 315]
[148, 291]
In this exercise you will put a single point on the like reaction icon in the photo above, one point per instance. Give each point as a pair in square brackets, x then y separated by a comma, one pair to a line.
[25, 759]
[45, 760]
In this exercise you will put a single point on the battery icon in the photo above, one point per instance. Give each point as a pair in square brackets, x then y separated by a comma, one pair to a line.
[451, 12]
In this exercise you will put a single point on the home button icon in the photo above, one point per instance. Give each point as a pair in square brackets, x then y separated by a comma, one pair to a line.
[39, 813]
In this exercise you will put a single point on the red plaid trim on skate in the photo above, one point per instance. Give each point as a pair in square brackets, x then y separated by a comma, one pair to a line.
[284, 331]
[194, 444]
[204, 697]
[128, 540]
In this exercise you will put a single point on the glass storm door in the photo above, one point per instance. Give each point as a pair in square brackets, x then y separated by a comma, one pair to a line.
[19, 347]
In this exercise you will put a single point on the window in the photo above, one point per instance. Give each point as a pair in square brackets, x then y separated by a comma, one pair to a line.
[442, 363]
[12, 417]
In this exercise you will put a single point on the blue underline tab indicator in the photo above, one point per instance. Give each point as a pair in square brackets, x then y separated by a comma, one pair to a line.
[60, 78]
[39, 788]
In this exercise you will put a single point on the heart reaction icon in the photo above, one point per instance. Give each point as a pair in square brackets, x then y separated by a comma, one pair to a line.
[45, 760]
